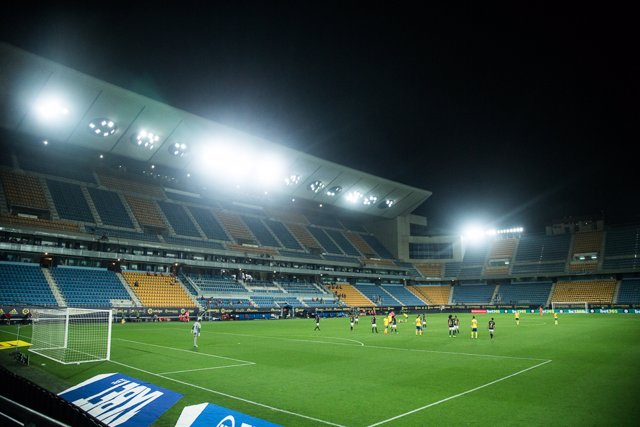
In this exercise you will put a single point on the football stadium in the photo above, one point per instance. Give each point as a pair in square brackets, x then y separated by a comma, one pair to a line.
[159, 268]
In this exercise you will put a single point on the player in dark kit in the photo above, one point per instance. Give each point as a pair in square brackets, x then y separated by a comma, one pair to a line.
[374, 325]
[451, 324]
[317, 328]
[492, 327]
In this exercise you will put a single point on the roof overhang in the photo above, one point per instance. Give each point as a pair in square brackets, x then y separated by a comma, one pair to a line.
[26, 79]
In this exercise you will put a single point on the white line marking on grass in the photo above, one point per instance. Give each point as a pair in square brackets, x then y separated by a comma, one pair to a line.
[459, 394]
[293, 339]
[531, 324]
[495, 356]
[386, 348]
[284, 411]
[347, 339]
[205, 369]
[189, 351]
[360, 343]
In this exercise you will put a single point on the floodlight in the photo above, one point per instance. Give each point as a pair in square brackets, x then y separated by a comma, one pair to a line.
[145, 139]
[473, 233]
[51, 108]
[334, 191]
[386, 204]
[353, 196]
[102, 127]
[179, 149]
[369, 200]
[226, 162]
[268, 171]
[512, 230]
[292, 179]
[316, 186]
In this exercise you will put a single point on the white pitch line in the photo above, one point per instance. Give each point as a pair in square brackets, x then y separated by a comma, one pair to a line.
[360, 344]
[495, 356]
[348, 339]
[205, 369]
[230, 396]
[189, 351]
[458, 395]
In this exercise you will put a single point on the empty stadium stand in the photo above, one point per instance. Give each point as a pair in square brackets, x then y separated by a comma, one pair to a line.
[89, 287]
[23, 283]
[158, 290]
[69, 201]
[432, 294]
[524, 293]
[476, 293]
[110, 208]
[591, 291]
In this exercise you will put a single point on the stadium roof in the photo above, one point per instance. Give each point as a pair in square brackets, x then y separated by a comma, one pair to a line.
[50, 101]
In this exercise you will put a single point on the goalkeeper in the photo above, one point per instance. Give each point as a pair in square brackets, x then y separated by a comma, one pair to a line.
[195, 330]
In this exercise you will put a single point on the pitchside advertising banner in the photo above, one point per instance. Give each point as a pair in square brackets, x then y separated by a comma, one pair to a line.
[120, 400]
[210, 415]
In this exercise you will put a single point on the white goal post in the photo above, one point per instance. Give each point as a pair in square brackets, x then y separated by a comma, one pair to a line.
[71, 335]
[575, 306]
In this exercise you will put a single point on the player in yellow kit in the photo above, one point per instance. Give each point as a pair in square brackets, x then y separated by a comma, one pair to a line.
[418, 325]
[517, 314]
[386, 324]
[474, 327]
[555, 318]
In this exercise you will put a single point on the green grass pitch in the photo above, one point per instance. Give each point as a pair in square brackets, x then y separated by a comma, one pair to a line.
[584, 371]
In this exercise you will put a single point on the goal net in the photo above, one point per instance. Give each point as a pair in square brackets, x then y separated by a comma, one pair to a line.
[571, 306]
[71, 335]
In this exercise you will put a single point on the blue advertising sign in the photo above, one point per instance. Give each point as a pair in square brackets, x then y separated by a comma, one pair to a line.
[210, 415]
[120, 400]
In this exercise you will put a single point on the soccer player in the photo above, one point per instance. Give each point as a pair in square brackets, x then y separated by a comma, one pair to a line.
[351, 322]
[474, 327]
[386, 324]
[555, 317]
[451, 326]
[195, 330]
[357, 317]
[317, 328]
[456, 325]
[517, 318]
[418, 325]
[374, 325]
[394, 324]
[424, 321]
[492, 327]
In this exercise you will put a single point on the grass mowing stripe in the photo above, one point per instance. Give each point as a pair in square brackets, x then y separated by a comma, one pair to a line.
[284, 411]
[458, 395]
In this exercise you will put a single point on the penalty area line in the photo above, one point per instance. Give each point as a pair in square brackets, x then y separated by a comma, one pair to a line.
[206, 369]
[459, 394]
[230, 396]
[246, 362]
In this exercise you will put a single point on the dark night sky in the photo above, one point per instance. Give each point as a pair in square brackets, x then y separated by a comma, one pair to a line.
[517, 115]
